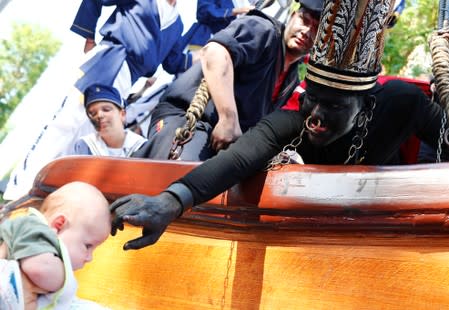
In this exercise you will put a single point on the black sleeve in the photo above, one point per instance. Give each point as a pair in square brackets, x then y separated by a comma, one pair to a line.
[407, 110]
[248, 155]
[429, 116]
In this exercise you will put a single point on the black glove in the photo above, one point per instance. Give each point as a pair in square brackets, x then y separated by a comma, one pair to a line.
[153, 213]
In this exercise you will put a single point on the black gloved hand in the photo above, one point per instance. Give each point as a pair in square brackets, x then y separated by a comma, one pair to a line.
[152, 213]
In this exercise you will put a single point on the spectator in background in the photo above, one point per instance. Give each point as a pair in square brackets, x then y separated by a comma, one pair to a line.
[106, 110]
[138, 37]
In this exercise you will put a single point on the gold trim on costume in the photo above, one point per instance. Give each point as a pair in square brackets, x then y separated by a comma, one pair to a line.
[342, 77]
[340, 85]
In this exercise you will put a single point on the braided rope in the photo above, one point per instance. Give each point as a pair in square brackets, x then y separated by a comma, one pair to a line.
[439, 49]
[193, 114]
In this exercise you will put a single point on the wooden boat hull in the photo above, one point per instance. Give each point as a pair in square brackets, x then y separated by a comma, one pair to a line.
[296, 197]
[377, 239]
[271, 271]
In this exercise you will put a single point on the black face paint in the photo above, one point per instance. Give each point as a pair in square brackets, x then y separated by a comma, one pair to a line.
[329, 115]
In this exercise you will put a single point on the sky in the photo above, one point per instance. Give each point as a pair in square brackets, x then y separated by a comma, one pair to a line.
[55, 15]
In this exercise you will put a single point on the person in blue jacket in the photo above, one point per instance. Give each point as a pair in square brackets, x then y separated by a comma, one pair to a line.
[213, 16]
[137, 37]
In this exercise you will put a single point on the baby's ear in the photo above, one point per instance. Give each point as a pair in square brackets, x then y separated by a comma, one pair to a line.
[59, 222]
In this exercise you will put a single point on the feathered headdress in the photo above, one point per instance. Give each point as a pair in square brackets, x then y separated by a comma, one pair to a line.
[348, 49]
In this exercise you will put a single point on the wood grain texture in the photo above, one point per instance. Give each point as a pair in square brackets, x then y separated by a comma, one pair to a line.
[271, 271]
[296, 197]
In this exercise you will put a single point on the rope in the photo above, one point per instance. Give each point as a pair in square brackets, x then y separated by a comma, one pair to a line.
[439, 49]
[193, 114]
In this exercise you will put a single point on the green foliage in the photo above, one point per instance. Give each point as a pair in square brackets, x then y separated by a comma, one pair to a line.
[23, 58]
[414, 27]
[302, 70]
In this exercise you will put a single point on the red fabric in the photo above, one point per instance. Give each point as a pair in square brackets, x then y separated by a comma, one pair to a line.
[424, 85]
[293, 103]
[278, 85]
[410, 148]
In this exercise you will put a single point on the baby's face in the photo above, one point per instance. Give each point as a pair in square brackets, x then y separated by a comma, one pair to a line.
[82, 239]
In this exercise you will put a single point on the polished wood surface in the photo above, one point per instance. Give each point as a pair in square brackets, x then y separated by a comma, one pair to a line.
[303, 237]
[296, 197]
[271, 271]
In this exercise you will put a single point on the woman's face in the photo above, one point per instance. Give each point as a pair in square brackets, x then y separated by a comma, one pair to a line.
[106, 117]
[332, 115]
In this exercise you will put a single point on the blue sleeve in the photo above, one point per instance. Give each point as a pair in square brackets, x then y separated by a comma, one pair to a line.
[85, 23]
[177, 61]
[81, 148]
[210, 12]
[248, 39]
[86, 19]
[119, 2]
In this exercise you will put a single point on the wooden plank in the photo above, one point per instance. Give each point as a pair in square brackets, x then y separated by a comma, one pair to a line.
[271, 271]
[296, 197]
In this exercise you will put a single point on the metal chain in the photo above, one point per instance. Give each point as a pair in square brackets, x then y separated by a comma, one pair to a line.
[439, 49]
[284, 158]
[442, 136]
[357, 141]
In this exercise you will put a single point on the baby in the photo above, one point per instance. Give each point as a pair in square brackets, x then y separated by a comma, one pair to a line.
[45, 246]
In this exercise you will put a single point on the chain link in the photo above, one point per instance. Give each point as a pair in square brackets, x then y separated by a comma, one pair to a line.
[357, 141]
[285, 157]
[443, 136]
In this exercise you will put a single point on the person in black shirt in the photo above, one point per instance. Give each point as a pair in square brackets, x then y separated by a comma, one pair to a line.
[251, 69]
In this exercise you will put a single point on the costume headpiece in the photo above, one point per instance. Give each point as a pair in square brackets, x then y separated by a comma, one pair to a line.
[96, 93]
[348, 48]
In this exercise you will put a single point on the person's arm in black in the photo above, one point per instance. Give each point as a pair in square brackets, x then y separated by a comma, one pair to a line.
[248, 155]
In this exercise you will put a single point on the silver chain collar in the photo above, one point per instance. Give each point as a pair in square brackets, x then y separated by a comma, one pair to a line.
[285, 157]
